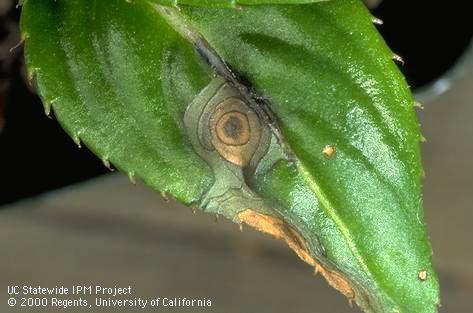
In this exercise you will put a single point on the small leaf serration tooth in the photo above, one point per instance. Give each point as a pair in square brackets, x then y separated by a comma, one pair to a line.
[397, 58]
[377, 21]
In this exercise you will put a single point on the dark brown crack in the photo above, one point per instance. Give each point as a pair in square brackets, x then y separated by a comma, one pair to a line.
[257, 102]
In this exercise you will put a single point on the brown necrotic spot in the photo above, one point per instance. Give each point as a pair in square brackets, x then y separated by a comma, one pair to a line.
[233, 129]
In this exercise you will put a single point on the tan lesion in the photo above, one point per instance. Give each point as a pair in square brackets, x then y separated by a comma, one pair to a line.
[235, 131]
[282, 231]
[329, 151]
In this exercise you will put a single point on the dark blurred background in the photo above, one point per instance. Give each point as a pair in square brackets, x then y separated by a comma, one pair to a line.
[108, 231]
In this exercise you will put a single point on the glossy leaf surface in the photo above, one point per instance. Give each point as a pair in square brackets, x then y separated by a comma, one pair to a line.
[120, 77]
[229, 3]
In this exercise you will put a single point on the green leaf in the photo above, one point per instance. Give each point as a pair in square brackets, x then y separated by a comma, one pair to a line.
[118, 88]
[291, 118]
[229, 3]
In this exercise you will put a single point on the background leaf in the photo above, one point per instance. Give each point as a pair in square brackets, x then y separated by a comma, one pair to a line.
[120, 75]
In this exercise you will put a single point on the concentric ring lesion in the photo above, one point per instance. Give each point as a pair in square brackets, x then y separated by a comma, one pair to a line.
[233, 139]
